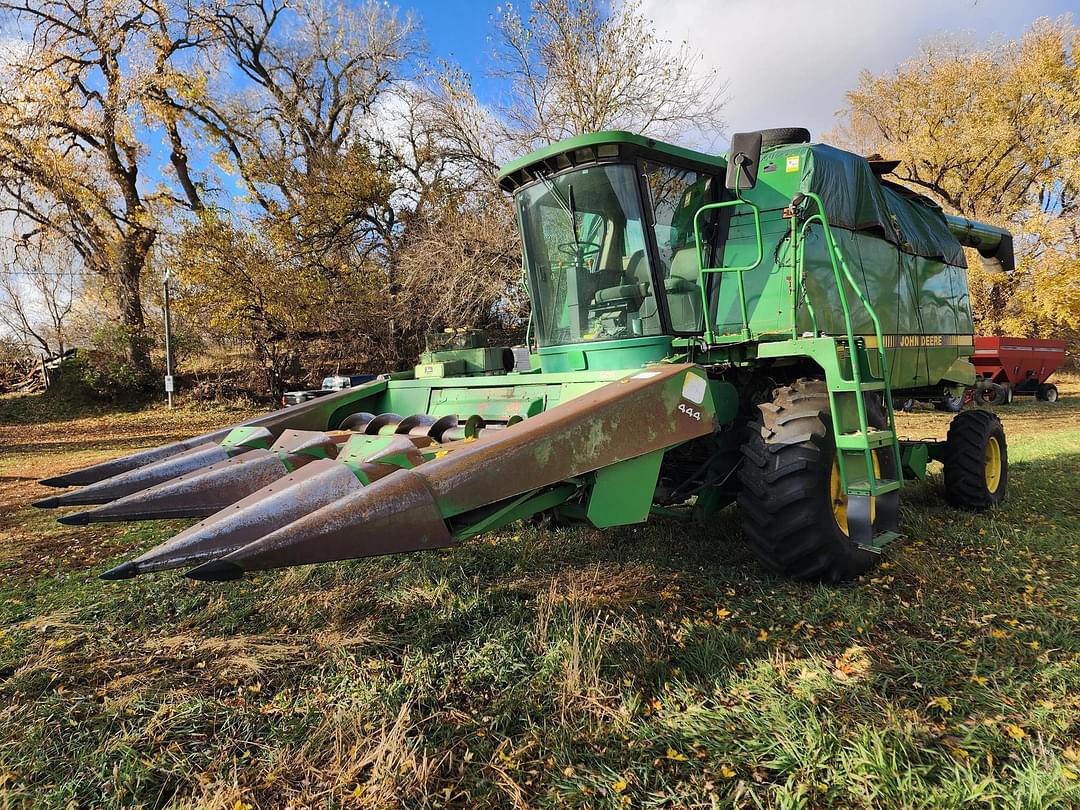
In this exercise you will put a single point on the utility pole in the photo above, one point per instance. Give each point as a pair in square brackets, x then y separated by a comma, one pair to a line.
[168, 344]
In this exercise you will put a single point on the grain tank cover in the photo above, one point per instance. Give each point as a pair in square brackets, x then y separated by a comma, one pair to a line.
[857, 200]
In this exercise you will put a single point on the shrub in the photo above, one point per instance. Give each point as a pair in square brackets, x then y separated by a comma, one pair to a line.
[104, 371]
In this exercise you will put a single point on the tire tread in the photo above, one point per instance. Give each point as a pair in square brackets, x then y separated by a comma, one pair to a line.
[786, 517]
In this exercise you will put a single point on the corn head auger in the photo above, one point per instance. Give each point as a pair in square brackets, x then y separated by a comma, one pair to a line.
[706, 330]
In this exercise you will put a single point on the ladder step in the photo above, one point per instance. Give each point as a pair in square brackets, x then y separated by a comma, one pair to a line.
[867, 385]
[882, 486]
[862, 441]
[881, 539]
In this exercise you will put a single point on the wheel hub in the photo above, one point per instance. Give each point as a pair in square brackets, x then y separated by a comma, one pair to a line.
[993, 464]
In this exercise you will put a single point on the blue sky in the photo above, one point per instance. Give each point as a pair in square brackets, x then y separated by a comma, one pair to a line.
[458, 32]
[787, 62]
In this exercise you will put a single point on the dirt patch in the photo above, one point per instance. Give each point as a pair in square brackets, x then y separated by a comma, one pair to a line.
[607, 584]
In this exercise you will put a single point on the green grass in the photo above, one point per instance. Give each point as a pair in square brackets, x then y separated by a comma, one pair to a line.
[654, 666]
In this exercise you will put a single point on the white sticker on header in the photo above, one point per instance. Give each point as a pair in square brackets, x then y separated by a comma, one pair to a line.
[693, 388]
[645, 375]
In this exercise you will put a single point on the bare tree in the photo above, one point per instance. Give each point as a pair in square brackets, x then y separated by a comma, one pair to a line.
[575, 66]
[300, 80]
[456, 262]
[299, 268]
[38, 288]
[571, 66]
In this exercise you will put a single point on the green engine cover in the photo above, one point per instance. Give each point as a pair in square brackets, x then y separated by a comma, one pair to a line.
[910, 266]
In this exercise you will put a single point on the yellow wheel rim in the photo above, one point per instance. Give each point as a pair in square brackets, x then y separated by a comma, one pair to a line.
[993, 464]
[840, 499]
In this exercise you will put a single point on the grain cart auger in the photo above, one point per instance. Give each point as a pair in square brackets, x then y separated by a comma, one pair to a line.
[707, 330]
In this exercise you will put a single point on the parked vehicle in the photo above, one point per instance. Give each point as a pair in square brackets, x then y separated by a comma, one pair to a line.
[337, 382]
[709, 329]
[1008, 367]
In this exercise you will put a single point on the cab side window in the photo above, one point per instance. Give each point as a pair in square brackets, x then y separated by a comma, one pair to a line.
[676, 195]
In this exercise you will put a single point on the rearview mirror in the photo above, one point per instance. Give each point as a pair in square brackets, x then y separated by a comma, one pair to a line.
[743, 163]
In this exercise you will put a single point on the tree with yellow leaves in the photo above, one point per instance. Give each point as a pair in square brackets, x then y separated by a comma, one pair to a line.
[83, 94]
[297, 266]
[993, 134]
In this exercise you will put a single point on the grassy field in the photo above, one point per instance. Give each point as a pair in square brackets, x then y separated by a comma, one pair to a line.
[644, 667]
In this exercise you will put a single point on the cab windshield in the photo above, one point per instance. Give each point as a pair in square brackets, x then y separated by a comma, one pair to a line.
[585, 252]
[591, 276]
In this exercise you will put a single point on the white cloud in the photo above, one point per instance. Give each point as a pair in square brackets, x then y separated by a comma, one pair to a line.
[789, 62]
[14, 51]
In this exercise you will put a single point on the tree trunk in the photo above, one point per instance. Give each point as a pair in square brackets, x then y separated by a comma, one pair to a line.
[131, 315]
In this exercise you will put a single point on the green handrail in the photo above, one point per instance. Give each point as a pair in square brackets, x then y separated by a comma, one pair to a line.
[840, 266]
[738, 269]
[798, 285]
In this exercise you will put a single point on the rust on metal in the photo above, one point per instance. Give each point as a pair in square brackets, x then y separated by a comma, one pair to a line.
[308, 441]
[621, 420]
[203, 492]
[392, 487]
[197, 494]
[312, 415]
[117, 466]
[406, 510]
[384, 424]
[396, 514]
[319, 483]
[118, 486]
[418, 424]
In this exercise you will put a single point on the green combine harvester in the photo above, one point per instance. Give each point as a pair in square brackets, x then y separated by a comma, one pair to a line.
[706, 330]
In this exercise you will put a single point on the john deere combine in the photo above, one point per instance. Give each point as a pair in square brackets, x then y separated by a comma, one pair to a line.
[705, 329]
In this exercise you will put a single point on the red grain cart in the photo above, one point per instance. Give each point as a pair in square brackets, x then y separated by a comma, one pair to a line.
[1009, 366]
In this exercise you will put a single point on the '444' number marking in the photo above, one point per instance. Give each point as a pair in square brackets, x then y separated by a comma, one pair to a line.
[691, 412]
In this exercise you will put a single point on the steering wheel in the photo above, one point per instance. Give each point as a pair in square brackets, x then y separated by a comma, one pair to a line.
[587, 249]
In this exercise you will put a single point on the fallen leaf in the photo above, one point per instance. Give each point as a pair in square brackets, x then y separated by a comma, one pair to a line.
[942, 703]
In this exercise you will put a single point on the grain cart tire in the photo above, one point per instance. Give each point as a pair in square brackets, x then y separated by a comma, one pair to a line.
[976, 461]
[992, 394]
[949, 404]
[1047, 392]
[789, 517]
[781, 135]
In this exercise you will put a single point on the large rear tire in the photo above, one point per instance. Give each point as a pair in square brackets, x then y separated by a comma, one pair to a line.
[791, 515]
[976, 461]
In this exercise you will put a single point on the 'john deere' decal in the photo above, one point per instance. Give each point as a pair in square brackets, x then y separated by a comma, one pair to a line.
[919, 341]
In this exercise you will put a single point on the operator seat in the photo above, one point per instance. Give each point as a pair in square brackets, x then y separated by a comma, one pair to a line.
[635, 284]
[683, 290]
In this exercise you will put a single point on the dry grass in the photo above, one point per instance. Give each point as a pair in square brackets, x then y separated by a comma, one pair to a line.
[643, 667]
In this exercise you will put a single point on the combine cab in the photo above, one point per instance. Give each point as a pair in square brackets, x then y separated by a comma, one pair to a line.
[707, 330]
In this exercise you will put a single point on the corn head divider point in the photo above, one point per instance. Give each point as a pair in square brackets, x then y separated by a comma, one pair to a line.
[707, 331]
